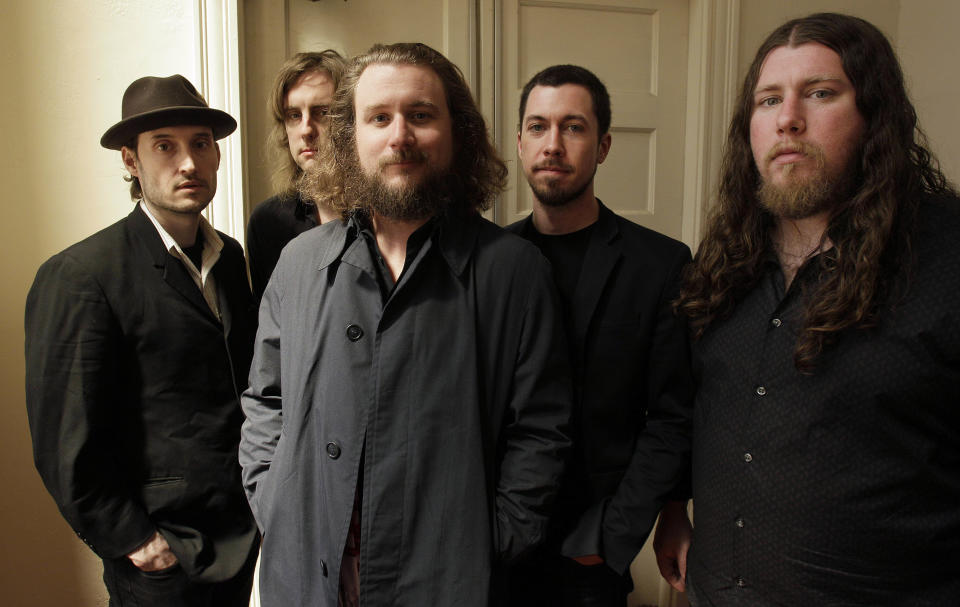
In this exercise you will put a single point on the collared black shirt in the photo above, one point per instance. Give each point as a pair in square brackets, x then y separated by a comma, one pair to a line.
[273, 223]
[840, 487]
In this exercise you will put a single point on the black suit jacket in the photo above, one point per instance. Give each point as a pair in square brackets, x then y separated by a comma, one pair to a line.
[133, 396]
[634, 391]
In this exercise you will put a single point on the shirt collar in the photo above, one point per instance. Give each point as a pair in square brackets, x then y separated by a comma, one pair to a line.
[212, 243]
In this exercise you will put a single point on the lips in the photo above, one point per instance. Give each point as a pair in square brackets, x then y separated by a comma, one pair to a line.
[552, 168]
[193, 184]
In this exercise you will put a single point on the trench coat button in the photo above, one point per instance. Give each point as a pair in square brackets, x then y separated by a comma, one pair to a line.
[741, 583]
[333, 450]
[354, 332]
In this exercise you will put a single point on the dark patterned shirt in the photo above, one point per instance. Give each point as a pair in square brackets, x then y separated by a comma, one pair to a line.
[840, 487]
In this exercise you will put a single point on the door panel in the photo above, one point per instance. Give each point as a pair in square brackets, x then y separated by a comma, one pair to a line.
[638, 48]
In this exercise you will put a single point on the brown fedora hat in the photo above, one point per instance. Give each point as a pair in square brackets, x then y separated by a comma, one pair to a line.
[151, 103]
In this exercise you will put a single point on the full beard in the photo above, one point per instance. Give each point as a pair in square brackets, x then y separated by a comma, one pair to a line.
[802, 197]
[412, 201]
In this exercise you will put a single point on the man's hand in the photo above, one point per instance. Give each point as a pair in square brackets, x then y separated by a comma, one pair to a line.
[671, 543]
[153, 555]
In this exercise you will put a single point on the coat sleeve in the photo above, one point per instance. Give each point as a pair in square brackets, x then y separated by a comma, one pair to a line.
[74, 404]
[535, 434]
[662, 454]
[262, 405]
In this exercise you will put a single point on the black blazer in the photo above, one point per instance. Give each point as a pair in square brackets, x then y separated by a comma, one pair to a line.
[634, 391]
[133, 391]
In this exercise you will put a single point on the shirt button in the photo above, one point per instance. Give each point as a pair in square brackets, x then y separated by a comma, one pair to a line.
[761, 390]
[354, 332]
[747, 457]
[776, 322]
[333, 450]
[739, 523]
[741, 582]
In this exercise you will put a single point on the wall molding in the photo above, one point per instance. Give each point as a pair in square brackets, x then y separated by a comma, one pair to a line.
[711, 88]
[219, 69]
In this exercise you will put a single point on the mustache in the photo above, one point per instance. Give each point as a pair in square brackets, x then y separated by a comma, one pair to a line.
[801, 147]
[411, 155]
[552, 164]
[191, 180]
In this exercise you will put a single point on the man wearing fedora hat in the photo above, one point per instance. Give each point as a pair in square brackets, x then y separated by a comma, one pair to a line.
[138, 344]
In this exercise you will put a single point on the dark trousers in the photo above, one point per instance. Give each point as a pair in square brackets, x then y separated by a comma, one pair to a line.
[551, 580]
[131, 587]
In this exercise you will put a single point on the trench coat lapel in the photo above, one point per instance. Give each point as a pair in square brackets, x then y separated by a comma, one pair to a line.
[170, 268]
[602, 256]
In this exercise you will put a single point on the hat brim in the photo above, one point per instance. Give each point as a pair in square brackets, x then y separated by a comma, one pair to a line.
[117, 136]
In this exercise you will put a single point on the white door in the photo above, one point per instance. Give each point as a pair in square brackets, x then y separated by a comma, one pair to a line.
[638, 48]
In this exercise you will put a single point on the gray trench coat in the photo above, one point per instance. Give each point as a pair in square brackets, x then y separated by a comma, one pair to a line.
[455, 391]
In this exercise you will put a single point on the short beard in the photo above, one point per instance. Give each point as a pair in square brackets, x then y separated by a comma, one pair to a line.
[425, 199]
[802, 198]
[555, 197]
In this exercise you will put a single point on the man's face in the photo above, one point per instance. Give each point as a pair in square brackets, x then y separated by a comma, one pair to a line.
[177, 167]
[404, 133]
[560, 145]
[307, 102]
[805, 130]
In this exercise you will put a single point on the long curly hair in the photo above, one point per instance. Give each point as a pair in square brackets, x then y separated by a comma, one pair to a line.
[477, 172]
[870, 232]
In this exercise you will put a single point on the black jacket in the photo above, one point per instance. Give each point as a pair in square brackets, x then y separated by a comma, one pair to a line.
[133, 396]
[634, 392]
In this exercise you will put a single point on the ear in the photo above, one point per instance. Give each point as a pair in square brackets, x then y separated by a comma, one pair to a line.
[129, 160]
[217, 146]
[604, 148]
[519, 144]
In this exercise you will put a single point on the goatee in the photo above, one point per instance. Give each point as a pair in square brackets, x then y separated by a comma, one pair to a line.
[550, 194]
[802, 197]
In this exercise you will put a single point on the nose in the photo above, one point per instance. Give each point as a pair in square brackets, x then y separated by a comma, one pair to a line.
[307, 128]
[401, 135]
[554, 143]
[188, 163]
[790, 119]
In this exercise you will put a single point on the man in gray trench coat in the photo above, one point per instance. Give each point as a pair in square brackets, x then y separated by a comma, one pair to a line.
[414, 440]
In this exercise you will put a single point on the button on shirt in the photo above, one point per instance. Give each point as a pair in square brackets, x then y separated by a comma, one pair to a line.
[840, 487]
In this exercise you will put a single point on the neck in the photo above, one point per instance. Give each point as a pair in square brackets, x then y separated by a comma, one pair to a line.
[796, 240]
[325, 214]
[392, 236]
[575, 215]
[181, 226]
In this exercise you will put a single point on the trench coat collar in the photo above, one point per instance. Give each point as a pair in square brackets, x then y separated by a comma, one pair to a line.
[171, 268]
[456, 235]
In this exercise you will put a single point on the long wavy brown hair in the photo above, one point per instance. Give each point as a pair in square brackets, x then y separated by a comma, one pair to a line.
[478, 174]
[870, 232]
[286, 172]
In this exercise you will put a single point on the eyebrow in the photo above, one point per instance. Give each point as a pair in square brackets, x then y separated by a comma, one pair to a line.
[566, 118]
[414, 105]
[164, 135]
[806, 83]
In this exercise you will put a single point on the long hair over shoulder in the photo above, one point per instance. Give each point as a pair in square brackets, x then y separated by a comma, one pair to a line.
[477, 171]
[870, 232]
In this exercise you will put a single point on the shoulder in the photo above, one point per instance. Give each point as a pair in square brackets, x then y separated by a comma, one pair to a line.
[273, 210]
[310, 248]
[644, 242]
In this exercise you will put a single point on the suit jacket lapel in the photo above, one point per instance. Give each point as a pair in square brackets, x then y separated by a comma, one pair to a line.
[172, 269]
[603, 252]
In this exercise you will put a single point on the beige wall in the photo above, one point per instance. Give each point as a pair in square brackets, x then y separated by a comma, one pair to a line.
[66, 64]
[929, 50]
